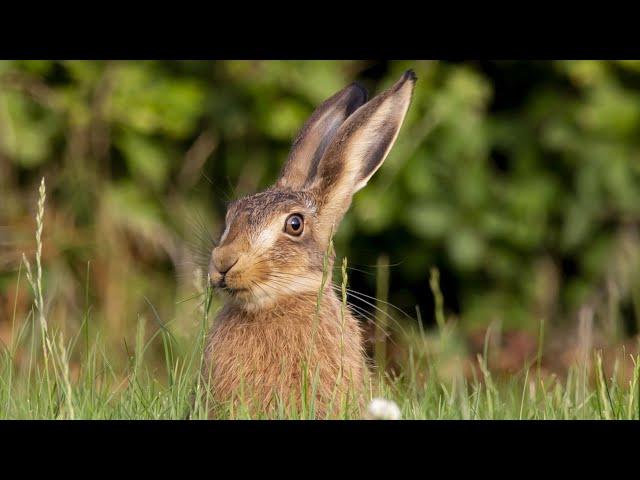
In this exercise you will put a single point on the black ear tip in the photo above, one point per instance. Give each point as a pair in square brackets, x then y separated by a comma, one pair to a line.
[409, 75]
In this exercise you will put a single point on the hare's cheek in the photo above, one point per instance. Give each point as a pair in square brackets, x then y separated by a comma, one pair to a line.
[260, 270]
[266, 240]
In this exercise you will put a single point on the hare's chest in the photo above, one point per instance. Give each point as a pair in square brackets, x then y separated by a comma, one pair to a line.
[267, 364]
[257, 356]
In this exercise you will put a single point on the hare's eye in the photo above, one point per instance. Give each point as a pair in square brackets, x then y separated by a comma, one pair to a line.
[294, 225]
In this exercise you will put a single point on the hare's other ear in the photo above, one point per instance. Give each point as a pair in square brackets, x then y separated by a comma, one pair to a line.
[317, 133]
[358, 149]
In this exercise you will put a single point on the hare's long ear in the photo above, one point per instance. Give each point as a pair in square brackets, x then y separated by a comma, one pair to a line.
[316, 135]
[358, 149]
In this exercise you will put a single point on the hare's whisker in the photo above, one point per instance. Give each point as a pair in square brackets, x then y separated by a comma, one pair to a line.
[295, 280]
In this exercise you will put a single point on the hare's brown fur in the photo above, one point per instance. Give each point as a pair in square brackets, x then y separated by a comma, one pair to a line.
[264, 358]
[277, 342]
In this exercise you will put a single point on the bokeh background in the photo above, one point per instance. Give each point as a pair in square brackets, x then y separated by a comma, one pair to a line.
[518, 180]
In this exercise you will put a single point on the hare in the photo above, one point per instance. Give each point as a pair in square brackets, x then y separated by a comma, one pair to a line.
[283, 339]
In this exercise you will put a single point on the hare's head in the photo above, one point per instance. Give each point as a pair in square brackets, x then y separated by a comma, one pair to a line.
[274, 242]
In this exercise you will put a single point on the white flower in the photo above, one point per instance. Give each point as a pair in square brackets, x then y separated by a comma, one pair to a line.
[383, 409]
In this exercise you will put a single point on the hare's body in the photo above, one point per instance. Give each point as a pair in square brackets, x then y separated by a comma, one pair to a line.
[277, 343]
[267, 360]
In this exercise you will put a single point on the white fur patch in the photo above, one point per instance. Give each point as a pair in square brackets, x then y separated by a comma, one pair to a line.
[269, 235]
[224, 234]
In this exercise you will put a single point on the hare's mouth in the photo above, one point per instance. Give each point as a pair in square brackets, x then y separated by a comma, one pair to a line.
[234, 291]
[222, 284]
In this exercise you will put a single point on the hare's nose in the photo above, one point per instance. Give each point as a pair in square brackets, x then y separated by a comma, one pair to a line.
[223, 260]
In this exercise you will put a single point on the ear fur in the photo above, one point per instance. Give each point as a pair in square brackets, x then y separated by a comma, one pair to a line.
[359, 148]
[316, 135]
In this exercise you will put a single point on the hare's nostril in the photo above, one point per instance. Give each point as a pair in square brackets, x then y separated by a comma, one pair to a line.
[223, 259]
[224, 266]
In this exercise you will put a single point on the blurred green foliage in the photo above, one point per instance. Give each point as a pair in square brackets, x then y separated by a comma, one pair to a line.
[520, 181]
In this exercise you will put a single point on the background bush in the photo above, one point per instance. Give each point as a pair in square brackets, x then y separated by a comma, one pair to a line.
[520, 181]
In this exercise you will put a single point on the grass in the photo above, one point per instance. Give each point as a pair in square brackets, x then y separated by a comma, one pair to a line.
[47, 373]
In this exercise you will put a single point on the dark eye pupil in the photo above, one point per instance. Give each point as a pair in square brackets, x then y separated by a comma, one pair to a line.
[294, 225]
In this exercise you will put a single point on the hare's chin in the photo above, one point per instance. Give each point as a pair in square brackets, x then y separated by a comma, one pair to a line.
[251, 301]
[236, 292]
